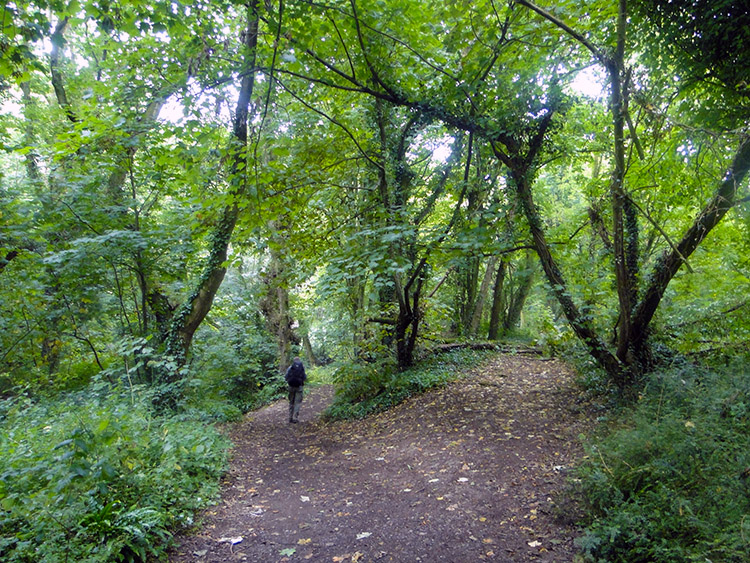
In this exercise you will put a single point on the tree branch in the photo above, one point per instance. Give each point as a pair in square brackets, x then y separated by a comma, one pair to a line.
[58, 41]
[669, 263]
[600, 56]
[368, 62]
[663, 233]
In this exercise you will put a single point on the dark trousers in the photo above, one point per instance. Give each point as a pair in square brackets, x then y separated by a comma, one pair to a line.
[295, 400]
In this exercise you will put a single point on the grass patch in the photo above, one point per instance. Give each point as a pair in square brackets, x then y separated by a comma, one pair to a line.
[367, 388]
[672, 482]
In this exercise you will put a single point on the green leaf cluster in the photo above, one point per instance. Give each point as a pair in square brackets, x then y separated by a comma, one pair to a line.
[671, 481]
[90, 478]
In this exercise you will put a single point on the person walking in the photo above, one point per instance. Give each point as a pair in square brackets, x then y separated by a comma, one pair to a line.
[295, 378]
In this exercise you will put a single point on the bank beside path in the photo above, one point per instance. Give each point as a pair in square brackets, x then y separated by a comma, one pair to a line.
[469, 472]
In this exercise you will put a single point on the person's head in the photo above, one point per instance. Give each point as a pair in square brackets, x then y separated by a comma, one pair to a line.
[297, 360]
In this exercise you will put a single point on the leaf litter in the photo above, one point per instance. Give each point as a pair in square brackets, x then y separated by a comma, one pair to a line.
[469, 472]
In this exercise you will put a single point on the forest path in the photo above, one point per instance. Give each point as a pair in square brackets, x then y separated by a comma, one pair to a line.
[460, 474]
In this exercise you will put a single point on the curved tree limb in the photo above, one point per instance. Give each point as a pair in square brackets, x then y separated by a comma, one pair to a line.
[596, 51]
[669, 263]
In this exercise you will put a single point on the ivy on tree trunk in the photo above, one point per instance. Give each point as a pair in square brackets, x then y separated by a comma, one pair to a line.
[194, 309]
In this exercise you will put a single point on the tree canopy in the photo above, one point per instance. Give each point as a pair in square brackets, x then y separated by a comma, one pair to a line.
[381, 174]
[193, 192]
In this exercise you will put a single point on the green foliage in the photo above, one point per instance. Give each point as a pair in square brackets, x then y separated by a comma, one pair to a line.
[672, 484]
[709, 321]
[708, 37]
[367, 388]
[89, 478]
[111, 208]
[235, 368]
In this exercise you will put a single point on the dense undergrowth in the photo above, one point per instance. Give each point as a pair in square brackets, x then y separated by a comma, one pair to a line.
[98, 478]
[94, 476]
[671, 481]
[366, 388]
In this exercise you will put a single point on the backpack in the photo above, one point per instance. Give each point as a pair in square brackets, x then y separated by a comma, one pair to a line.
[295, 375]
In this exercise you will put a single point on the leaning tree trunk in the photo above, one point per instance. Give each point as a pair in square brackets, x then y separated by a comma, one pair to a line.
[670, 262]
[579, 322]
[191, 313]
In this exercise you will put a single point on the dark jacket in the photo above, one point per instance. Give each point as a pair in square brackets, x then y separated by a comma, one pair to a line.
[295, 374]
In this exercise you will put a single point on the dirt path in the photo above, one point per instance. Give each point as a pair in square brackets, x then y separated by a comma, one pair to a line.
[461, 474]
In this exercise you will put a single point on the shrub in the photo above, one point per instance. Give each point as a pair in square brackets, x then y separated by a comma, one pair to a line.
[366, 388]
[673, 483]
[239, 370]
[100, 479]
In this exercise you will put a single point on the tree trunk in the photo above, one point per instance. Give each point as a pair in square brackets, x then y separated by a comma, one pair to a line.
[31, 157]
[275, 302]
[669, 262]
[498, 307]
[57, 40]
[309, 354]
[469, 279]
[283, 331]
[476, 317]
[356, 308]
[407, 323]
[518, 297]
[578, 321]
[195, 308]
[624, 235]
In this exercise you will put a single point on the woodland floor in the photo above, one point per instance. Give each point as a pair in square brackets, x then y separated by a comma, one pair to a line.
[469, 472]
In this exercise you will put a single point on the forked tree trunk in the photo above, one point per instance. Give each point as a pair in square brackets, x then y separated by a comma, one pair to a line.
[498, 309]
[484, 290]
[517, 298]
